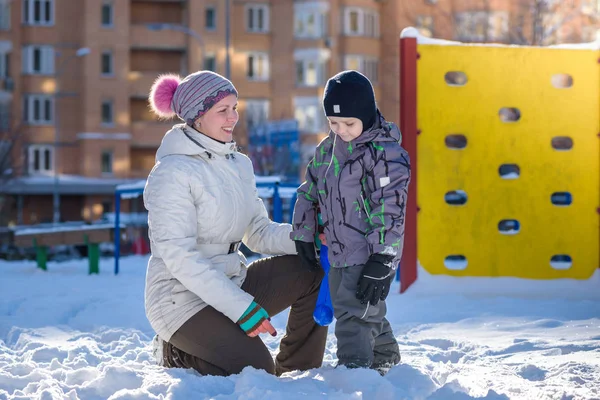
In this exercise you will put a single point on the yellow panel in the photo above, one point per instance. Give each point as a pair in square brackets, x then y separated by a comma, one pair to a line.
[508, 77]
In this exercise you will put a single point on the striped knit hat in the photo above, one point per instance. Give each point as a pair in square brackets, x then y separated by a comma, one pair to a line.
[189, 98]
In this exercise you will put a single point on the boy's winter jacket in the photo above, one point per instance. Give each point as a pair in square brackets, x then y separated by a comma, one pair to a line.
[361, 187]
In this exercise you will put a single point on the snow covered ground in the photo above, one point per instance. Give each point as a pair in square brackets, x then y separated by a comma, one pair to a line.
[67, 335]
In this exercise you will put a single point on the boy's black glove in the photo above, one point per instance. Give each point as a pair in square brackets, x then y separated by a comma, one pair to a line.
[308, 255]
[375, 279]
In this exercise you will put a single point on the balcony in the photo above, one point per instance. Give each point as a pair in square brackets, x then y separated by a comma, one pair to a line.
[150, 61]
[141, 161]
[140, 83]
[159, 1]
[149, 133]
[143, 38]
[7, 86]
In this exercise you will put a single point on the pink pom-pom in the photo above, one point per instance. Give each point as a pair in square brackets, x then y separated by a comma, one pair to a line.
[161, 95]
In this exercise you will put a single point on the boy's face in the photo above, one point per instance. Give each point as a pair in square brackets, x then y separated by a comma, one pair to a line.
[347, 129]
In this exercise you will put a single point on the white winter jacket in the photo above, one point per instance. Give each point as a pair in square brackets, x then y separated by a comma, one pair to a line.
[201, 196]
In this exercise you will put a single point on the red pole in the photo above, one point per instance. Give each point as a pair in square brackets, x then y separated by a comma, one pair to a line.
[408, 127]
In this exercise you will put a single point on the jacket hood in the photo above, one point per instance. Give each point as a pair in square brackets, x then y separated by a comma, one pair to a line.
[381, 131]
[184, 140]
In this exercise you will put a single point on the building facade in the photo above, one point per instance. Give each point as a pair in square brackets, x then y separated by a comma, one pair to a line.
[75, 75]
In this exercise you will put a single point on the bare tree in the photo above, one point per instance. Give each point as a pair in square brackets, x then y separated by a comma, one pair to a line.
[11, 165]
[536, 22]
[451, 20]
[526, 22]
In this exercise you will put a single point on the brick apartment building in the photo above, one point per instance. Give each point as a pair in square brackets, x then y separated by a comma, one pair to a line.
[75, 75]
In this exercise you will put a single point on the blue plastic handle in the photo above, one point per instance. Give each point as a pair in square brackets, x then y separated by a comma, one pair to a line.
[323, 313]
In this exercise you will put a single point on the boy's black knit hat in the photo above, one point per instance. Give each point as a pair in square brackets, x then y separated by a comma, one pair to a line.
[350, 94]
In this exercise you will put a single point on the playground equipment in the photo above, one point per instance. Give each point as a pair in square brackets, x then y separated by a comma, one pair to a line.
[323, 313]
[505, 155]
[42, 238]
[268, 188]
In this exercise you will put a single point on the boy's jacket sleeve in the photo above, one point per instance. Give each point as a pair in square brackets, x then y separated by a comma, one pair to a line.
[305, 218]
[389, 180]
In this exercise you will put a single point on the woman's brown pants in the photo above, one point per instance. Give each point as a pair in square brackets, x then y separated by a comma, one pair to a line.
[212, 344]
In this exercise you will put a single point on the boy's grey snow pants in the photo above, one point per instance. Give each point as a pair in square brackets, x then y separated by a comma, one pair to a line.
[212, 344]
[364, 335]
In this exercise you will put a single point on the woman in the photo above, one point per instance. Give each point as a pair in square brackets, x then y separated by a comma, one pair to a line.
[206, 306]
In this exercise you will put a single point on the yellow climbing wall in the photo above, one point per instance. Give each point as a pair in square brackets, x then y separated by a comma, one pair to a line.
[465, 239]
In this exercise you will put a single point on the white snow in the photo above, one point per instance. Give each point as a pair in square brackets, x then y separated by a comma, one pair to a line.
[103, 136]
[263, 192]
[412, 32]
[63, 228]
[139, 218]
[67, 335]
[74, 179]
[138, 185]
[284, 192]
[510, 175]
[561, 264]
[509, 232]
[455, 265]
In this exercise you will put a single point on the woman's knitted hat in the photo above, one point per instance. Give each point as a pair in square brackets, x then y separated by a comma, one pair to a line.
[189, 98]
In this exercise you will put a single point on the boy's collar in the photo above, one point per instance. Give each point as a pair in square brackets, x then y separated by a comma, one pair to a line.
[381, 131]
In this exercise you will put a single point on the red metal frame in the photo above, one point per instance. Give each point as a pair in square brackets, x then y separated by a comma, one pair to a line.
[408, 126]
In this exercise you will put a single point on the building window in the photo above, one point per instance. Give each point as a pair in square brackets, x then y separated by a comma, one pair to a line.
[257, 112]
[106, 206]
[41, 159]
[590, 34]
[38, 60]
[210, 62]
[306, 73]
[107, 162]
[38, 109]
[308, 112]
[257, 18]
[107, 15]
[369, 66]
[353, 62]
[38, 12]
[258, 67]
[590, 7]
[107, 63]
[353, 25]
[371, 24]
[311, 65]
[425, 25]
[371, 69]
[5, 16]
[498, 25]
[5, 110]
[4, 66]
[211, 18]
[310, 20]
[107, 112]
[481, 26]
[5, 158]
[361, 22]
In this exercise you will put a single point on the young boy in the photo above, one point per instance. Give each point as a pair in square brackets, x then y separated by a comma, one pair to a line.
[359, 178]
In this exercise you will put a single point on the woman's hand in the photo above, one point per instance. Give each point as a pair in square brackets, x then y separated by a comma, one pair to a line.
[265, 327]
[255, 321]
